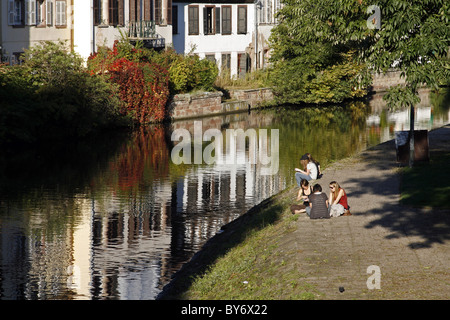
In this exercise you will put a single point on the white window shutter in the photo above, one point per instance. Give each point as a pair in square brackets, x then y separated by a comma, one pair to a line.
[58, 13]
[63, 13]
[30, 12]
[49, 18]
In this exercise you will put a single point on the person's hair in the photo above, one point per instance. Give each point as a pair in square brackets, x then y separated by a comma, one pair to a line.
[309, 156]
[304, 162]
[304, 183]
[336, 189]
[317, 188]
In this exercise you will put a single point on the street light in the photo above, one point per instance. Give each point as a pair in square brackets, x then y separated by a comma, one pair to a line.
[258, 5]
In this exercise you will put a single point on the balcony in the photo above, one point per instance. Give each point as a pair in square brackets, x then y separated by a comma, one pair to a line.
[145, 31]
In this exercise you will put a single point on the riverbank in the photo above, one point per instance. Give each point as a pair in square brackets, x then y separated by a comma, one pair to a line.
[270, 254]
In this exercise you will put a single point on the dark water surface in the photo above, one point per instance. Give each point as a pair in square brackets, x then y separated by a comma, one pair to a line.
[114, 218]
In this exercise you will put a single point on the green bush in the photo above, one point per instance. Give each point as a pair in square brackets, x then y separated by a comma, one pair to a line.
[192, 73]
[51, 95]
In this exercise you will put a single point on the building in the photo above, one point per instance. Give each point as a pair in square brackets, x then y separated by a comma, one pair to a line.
[233, 33]
[26, 22]
[85, 25]
[224, 31]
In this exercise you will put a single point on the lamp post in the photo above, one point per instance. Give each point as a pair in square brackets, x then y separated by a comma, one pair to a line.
[258, 5]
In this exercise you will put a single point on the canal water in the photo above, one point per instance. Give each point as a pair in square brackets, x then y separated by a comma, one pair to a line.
[116, 217]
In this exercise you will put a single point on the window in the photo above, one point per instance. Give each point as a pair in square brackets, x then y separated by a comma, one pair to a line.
[242, 19]
[208, 20]
[226, 20]
[226, 61]
[15, 12]
[40, 13]
[243, 64]
[211, 20]
[193, 20]
[116, 13]
[210, 57]
[61, 15]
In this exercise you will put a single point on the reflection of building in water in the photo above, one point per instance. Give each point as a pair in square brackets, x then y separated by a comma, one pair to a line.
[388, 121]
[125, 243]
[129, 237]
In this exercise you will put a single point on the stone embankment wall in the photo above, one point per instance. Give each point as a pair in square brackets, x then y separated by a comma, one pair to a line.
[382, 82]
[184, 106]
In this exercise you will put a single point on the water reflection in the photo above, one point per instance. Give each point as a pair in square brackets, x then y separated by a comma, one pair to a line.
[115, 220]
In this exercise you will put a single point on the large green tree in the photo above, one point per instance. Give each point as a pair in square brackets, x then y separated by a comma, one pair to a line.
[412, 36]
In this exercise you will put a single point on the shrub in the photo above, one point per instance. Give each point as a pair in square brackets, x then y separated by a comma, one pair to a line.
[192, 73]
[143, 85]
[52, 96]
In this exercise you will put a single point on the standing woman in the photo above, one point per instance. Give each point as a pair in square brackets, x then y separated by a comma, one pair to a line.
[309, 171]
[338, 199]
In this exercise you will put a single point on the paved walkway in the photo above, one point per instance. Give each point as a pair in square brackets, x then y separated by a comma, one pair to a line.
[410, 246]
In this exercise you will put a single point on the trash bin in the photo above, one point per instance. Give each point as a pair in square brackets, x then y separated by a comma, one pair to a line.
[421, 150]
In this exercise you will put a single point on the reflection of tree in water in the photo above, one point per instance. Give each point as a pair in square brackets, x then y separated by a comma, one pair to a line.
[145, 157]
[328, 133]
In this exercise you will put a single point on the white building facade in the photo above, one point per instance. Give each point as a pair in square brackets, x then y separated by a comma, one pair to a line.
[233, 33]
[224, 31]
[84, 24]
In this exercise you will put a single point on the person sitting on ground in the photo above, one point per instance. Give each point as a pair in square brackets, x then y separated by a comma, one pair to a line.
[319, 172]
[338, 199]
[303, 193]
[309, 171]
[318, 204]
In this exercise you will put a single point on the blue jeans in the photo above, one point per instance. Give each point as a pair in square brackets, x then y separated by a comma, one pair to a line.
[301, 176]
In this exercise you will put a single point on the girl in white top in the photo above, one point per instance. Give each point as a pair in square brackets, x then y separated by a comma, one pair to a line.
[309, 172]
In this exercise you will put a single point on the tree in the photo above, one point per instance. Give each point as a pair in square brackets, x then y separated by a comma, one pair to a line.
[412, 36]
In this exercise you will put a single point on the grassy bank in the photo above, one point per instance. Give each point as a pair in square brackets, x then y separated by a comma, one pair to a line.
[244, 261]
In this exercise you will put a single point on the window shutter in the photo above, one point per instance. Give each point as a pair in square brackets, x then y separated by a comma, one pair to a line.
[61, 13]
[169, 12]
[217, 13]
[11, 12]
[158, 11]
[121, 13]
[58, 13]
[49, 13]
[205, 21]
[30, 12]
[27, 12]
[242, 20]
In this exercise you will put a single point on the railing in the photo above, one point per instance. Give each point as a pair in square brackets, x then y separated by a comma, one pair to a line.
[143, 29]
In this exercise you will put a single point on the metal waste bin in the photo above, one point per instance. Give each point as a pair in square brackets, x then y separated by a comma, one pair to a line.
[421, 150]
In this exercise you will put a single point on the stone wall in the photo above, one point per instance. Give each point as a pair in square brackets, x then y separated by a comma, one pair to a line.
[196, 105]
[382, 82]
[253, 96]
[184, 106]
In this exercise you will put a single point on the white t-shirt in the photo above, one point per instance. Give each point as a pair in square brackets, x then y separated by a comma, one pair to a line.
[311, 166]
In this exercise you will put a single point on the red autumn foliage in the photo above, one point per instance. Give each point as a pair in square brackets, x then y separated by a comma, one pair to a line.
[143, 85]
